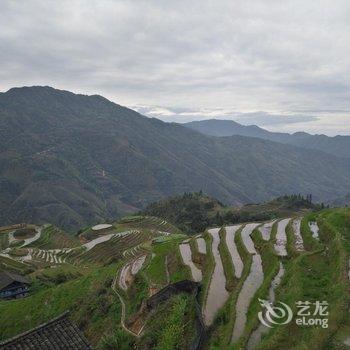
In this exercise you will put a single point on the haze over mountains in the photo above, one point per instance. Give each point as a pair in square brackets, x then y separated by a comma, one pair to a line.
[73, 160]
[337, 145]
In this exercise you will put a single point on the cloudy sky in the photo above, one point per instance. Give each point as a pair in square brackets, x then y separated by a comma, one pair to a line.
[283, 65]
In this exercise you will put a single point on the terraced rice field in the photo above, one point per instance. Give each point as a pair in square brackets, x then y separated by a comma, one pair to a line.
[116, 247]
[91, 244]
[265, 230]
[217, 293]
[129, 270]
[281, 237]
[285, 260]
[259, 279]
[202, 247]
[231, 245]
[255, 337]
[251, 284]
[186, 255]
[299, 243]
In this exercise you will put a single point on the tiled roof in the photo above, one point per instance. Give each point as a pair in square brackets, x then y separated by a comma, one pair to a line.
[57, 334]
[6, 278]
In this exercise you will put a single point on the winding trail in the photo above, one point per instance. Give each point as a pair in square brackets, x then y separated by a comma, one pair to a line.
[231, 246]
[122, 317]
[217, 293]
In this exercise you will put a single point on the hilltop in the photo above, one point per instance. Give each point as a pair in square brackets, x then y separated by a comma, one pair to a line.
[193, 212]
[73, 160]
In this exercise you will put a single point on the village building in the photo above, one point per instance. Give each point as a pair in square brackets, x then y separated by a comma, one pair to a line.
[59, 333]
[13, 285]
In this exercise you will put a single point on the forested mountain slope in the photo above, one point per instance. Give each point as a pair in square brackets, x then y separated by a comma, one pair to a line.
[72, 160]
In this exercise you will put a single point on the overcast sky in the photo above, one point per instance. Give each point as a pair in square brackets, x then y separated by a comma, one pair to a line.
[283, 65]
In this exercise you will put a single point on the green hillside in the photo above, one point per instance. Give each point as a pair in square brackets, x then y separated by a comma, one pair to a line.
[194, 212]
[108, 274]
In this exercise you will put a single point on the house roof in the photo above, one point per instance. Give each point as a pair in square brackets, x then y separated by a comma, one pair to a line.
[6, 278]
[59, 333]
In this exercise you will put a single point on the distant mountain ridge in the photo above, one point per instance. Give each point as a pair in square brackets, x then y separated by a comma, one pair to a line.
[337, 145]
[341, 202]
[73, 160]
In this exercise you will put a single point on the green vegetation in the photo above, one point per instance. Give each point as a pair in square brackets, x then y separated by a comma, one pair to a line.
[123, 161]
[54, 238]
[83, 284]
[89, 297]
[207, 268]
[317, 275]
[156, 270]
[270, 263]
[224, 321]
[226, 261]
[171, 327]
[194, 212]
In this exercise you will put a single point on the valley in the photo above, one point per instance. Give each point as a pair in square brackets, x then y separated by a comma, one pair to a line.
[74, 160]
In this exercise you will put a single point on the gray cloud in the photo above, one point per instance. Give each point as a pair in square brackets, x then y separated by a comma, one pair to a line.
[232, 58]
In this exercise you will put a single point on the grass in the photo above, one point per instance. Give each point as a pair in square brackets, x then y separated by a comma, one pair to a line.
[93, 305]
[136, 294]
[270, 264]
[163, 239]
[207, 268]
[53, 238]
[224, 320]
[290, 246]
[112, 250]
[147, 222]
[171, 326]
[13, 265]
[310, 243]
[3, 241]
[156, 271]
[227, 261]
[317, 275]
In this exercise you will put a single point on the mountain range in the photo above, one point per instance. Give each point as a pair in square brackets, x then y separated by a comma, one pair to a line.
[337, 145]
[74, 160]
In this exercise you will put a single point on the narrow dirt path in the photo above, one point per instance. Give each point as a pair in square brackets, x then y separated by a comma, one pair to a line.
[167, 270]
[122, 318]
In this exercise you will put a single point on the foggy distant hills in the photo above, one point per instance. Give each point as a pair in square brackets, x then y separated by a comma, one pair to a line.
[337, 145]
